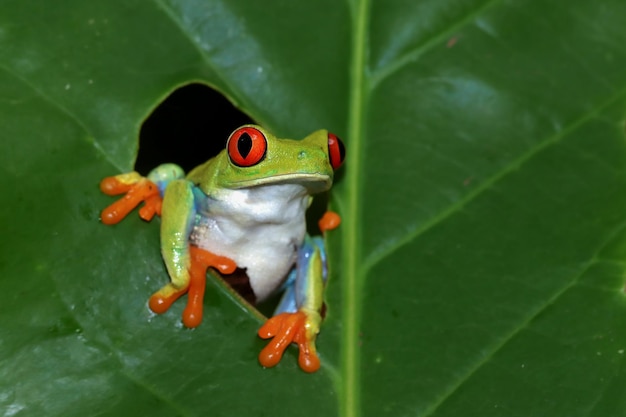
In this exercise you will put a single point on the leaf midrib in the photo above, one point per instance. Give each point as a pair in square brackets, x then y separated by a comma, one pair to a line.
[361, 87]
[362, 84]
[349, 403]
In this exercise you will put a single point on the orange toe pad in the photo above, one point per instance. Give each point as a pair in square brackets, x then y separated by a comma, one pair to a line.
[284, 329]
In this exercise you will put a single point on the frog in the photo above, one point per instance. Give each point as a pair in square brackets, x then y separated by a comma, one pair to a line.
[243, 209]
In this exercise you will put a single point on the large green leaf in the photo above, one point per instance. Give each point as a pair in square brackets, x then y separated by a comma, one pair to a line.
[479, 269]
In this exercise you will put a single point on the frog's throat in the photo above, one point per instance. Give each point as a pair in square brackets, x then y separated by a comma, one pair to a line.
[313, 182]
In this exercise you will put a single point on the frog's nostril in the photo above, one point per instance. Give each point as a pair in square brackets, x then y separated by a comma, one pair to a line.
[302, 155]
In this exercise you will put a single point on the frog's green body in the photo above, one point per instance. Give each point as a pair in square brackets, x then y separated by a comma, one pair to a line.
[246, 207]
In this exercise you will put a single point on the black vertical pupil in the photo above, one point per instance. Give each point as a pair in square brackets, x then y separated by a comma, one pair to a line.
[244, 145]
[342, 150]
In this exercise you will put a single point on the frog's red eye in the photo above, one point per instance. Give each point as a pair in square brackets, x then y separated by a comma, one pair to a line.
[246, 146]
[336, 151]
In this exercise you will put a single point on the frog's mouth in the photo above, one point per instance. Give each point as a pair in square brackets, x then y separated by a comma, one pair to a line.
[314, 183]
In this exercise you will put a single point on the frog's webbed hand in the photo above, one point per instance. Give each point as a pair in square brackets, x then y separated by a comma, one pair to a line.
[199, 261]
[138, 189]
[298, 318]
[185, 264]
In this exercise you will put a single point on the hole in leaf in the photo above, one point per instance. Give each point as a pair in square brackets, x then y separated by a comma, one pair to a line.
[188, 128]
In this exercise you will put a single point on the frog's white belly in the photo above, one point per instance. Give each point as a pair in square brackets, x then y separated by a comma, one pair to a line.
[260, 228]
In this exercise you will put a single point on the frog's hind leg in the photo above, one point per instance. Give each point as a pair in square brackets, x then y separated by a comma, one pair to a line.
[298, 316]
[287, 303]
[200, 261]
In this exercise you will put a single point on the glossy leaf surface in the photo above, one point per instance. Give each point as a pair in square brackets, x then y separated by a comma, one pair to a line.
[479, 269]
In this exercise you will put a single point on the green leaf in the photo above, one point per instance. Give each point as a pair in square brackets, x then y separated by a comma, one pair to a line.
[480, 266]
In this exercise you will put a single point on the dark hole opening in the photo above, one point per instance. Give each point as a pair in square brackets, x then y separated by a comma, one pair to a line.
[188, 128]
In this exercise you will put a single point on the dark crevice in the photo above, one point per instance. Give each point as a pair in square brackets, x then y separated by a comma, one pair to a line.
[189, 127]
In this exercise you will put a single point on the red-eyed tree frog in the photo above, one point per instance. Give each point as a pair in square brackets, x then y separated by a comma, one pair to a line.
[244, 208]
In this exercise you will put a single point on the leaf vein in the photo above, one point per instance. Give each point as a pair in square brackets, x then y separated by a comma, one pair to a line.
[155, 394]
[90, 137]
[452, 388]
[234, 96]
[436, 39]
[514, 165]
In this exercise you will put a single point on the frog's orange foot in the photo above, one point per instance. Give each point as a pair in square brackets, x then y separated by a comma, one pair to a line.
[329, 221]
[137, 189]
[201, 260]
[163, 299]
[287, 328]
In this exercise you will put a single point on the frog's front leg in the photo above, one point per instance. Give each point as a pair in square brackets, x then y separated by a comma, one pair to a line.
[136, 188]
[297, 319]
[186, 264]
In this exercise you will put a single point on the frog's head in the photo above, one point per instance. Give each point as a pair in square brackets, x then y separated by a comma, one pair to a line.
[255, 157]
